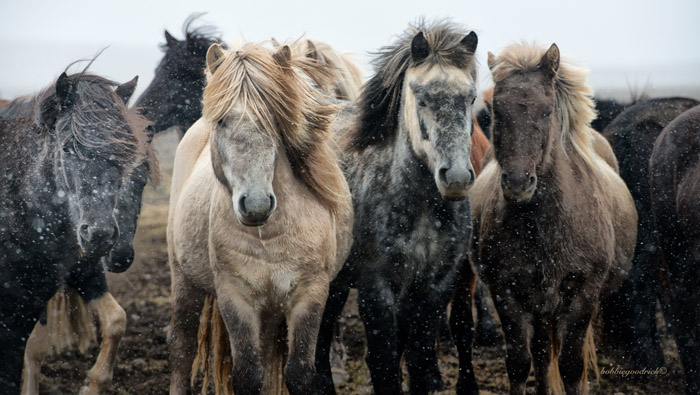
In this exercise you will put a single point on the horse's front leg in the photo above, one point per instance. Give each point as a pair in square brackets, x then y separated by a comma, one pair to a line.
[112, 319]
[337, 297]
[243, 326]
[187, 304]
[518, 357]
[377, 306]
[571, 358]
[37, 349]
[462, 326]
[303, 321]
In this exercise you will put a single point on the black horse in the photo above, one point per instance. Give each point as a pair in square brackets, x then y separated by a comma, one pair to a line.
[629, 315]
[674, 180]
[174, 97]
[65, 153]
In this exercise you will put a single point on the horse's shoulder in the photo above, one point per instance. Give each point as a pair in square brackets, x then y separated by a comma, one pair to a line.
[188, 152]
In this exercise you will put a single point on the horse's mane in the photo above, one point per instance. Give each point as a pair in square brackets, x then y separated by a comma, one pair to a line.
[575, 105]
[348, 75]
[201, 36]
[273, 90]
[380, 99]
[93, 100]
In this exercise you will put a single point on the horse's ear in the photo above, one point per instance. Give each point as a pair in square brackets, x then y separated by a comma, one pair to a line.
[125, 90]
[419, 48]
[170, 41]
[64, 90]
[491, 61]
[470, 41]
[214, 56]
[274, 41]
[283, 56]
[311, 51]
[550, 61]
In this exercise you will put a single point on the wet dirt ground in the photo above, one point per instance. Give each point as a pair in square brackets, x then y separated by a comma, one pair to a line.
[143, 291]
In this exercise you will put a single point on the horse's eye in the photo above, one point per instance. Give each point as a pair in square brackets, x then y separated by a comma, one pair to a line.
[67, 149]
[547, 114]
[473, 100]
[221, 123]
[421, 103]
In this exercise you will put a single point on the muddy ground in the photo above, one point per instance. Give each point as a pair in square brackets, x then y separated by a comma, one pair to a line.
[143, 291]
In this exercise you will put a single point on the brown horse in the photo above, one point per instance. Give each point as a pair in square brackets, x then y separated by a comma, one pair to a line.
[554, 225]
[674, 172]
[260, 218]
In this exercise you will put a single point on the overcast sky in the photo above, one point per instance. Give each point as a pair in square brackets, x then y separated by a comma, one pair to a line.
[624, 43]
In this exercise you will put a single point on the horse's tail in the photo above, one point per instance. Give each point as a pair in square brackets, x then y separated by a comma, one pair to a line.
[69, 324]
[273, 355]
[589, 357]
[213, 342]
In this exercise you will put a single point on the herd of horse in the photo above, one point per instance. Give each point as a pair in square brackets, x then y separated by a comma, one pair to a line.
[296, 181]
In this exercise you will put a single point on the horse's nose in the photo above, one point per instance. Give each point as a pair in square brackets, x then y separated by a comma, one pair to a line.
[98, 237]
[256, 207]
[456, 178]
[517, 180]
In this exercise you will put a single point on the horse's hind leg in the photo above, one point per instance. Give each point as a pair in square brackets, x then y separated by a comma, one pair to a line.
[186, 304]
[37, 349]
[304, 320]
[462, 326]
[338, 294]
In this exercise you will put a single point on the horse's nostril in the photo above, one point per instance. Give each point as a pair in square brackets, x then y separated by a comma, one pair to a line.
[442, 174]
[241, 205]
[472, 176]
[273, 204]
[85, 231]
[532, 180]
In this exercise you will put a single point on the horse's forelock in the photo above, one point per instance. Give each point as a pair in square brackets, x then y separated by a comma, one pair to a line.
[123, 140]
[281, 99]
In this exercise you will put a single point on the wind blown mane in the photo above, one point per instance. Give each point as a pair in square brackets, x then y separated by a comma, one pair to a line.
[201, 36]
[274, 91]
[575, 105]
[93, 109]
[348, 75]
[380, 99]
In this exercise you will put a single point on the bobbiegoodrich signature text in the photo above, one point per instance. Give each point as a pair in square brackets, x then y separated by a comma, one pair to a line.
[633, 372]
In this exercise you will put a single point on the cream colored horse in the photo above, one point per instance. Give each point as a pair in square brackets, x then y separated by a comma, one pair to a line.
[260, 218]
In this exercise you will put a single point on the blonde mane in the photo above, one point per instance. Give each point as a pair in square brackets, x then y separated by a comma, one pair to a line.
[575, 106]
[271, 88]
[348, 77]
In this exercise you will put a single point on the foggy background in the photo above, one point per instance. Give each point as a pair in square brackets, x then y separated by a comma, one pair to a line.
[626, 44]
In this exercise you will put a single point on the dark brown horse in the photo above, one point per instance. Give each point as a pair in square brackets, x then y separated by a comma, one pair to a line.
[675, 186]
[629, 314]
[554, 224]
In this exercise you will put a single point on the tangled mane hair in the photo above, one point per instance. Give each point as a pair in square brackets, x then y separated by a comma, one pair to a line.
[574, 98]
[274, 89]
[380, 99]
[200, 37]
[348, 76]
[96, 122]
